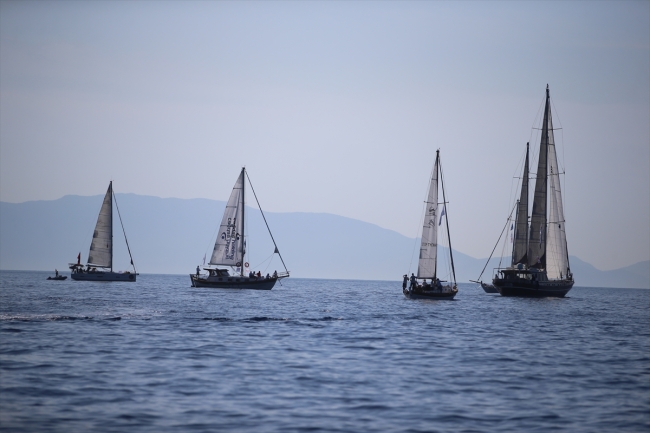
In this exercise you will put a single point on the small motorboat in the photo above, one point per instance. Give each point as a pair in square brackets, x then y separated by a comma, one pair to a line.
[58, 278]
[489, 288]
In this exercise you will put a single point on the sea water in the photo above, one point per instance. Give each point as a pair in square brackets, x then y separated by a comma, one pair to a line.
[319, 356]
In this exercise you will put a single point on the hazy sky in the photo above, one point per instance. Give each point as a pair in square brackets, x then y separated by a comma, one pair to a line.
[335, 107]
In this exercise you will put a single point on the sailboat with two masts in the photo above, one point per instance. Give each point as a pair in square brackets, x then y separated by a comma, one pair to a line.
[428, 261]
[230, 249]
[540, 257]
[100, 257]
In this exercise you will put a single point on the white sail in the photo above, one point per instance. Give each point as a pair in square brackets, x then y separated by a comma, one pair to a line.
[557, 260]
[229, 247]
[429, 244]
[101, 247]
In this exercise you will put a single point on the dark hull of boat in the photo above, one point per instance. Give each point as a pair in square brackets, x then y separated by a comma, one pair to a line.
[430, 295]
[59, 278]
[103, 276]
[533, 289]
[489, 288]
[234, 283]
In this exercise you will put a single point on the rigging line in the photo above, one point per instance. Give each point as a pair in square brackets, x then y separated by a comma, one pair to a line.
[267, 224]
[505, 243]
[497, 244]
[124, 231]
[444, 199]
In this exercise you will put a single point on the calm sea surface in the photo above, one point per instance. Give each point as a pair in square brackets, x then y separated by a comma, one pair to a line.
[318, 356]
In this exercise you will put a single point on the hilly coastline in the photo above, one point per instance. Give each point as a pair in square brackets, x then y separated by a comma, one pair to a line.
[171, 236]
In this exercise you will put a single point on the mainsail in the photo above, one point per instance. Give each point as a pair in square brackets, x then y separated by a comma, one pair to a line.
[429, 244]
[101, 247]
[520, 245]
[536, 240]
[229, 247]
[557, 262]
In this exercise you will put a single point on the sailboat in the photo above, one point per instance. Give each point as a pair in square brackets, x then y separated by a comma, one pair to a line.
[230, 249]
[540, 257]
[100, 257]
[427, 265]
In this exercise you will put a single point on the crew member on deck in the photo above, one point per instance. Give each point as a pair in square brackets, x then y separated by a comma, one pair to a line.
[406, 280]
[413, 282]
[198, 271]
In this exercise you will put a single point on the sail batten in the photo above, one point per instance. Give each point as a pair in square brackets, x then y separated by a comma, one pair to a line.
[229, 246]
[101, 247]
[429, 242]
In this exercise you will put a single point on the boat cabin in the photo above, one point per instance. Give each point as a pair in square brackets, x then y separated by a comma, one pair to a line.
[522, 274]
[218, 272]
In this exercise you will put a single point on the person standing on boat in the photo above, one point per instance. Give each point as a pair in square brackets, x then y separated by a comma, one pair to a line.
[56, 273]
[406, 280]
[413, 282]
[198, 271]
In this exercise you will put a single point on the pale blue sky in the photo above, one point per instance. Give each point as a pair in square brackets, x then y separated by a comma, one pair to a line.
[335, 107]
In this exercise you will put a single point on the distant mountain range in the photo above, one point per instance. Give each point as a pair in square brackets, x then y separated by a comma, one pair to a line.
[171, 236]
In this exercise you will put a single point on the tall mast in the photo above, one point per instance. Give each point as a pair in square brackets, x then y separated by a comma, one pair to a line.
[243, 221]
[513, 261]
[538, 220]
[444, 200]
[110, 186]
[545, 130]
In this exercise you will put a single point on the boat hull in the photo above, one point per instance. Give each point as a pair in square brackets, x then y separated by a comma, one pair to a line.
[103, 276]
[430, 294]
[233, 282]
[59, 278]
[533, 289]
[489, 288]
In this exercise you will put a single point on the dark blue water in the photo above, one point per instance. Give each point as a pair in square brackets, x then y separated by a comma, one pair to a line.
[319, 356]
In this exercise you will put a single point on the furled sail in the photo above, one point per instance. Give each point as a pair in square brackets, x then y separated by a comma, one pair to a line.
[536, 239]
[229, 247]
[557, 259]
[101, 247]
[520, 245]
[429, 244]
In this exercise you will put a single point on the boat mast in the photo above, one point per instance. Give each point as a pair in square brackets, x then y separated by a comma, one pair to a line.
[539, 216]
[110, 186]
[545, 132]
[444, 200]
[243, 221]
[514, 238]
